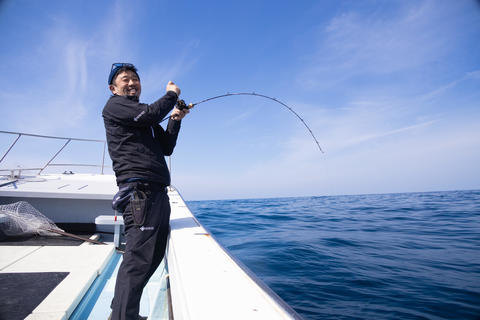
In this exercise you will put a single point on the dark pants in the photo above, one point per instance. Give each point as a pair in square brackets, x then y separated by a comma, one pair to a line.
[146, 221]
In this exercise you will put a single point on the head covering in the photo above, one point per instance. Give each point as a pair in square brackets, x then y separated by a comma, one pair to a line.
[117, 66]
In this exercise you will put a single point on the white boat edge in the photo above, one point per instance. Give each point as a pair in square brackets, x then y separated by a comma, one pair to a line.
[207, 282]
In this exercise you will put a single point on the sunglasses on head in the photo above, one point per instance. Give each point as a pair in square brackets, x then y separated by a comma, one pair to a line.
[121, 65]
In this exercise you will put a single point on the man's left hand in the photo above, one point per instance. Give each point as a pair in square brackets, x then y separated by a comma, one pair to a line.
[178, 114]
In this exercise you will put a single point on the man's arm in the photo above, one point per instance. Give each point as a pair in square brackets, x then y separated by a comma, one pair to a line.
[168, 138]
[130, 112]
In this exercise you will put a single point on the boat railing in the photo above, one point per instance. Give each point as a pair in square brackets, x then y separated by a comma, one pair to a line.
[50, 163]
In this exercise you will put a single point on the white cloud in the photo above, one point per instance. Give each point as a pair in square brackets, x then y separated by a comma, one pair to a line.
[358, 43]
[76, 67]
[59, 102]
[472, 75]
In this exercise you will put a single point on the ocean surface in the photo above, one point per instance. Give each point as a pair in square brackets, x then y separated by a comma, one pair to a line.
[385, 256]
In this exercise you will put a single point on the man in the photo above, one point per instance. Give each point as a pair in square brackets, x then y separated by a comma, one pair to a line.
[137, 145]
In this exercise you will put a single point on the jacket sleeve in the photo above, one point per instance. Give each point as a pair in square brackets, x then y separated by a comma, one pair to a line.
[167, 138]
[132, 113]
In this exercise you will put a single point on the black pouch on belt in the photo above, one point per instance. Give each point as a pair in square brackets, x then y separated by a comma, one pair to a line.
[139, 203]
[120, 200]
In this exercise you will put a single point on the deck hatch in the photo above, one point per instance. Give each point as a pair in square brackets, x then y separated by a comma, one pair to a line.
[22, 292]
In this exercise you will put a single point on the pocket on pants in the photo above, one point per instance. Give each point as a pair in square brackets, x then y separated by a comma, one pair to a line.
[139, 206]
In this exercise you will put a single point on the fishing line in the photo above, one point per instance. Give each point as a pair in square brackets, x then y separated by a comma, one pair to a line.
[181, 105]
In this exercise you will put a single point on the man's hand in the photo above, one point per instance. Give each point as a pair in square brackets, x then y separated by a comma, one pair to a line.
[173, 87]
[178, 114]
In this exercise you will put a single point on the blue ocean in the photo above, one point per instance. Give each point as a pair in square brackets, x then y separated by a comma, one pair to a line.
[384, 256]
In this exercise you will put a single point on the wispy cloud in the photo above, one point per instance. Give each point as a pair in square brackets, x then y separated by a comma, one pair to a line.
[76, 67]
[61, 101]
[241, 117]
[367, 43]
[368, 137]
[472, 75]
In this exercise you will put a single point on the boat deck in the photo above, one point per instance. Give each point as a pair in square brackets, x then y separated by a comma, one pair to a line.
[74, 268]
[67, 279]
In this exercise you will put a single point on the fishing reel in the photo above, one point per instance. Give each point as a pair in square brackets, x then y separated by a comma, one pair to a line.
[182, 105]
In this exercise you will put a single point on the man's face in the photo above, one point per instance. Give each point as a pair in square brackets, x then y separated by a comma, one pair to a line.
[126, 83]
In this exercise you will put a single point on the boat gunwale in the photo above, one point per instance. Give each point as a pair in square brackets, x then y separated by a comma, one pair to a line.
[269, 291]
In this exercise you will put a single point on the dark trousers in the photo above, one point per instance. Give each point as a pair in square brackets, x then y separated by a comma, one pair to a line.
[146, 220]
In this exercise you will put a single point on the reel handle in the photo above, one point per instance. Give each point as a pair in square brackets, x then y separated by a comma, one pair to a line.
[182, 105]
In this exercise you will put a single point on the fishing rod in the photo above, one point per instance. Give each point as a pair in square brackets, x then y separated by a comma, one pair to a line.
[182, 105]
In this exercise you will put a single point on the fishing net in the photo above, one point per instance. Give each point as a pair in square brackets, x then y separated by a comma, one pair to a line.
[22, 219]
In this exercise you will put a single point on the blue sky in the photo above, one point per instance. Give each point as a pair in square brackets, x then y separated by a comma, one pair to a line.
[390, 88]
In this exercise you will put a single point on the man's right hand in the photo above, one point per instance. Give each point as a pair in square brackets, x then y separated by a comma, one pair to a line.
[173, 87]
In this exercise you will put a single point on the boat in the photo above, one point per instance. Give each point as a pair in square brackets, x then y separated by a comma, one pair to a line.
[60, 277]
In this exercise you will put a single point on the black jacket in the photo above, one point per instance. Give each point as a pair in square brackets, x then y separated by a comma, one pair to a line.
[136, 142]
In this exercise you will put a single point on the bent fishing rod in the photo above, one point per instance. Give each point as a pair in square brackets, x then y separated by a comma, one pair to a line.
[182, 105]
